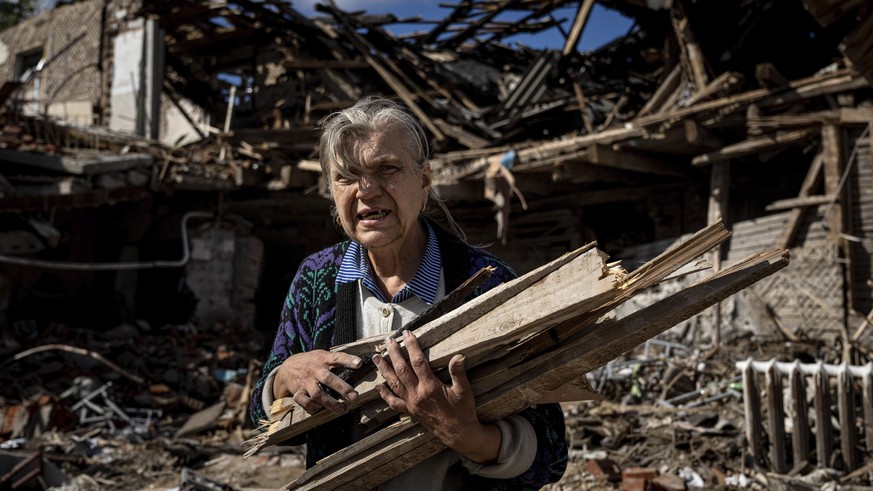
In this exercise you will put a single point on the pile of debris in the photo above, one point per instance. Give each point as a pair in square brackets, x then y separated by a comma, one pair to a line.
[673, 416]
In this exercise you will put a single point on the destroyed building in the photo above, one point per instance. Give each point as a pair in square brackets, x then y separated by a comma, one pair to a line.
[121, 118]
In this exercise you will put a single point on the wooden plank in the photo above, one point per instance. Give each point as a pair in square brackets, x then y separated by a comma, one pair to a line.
[572, 289]
[800, 201]
[324, 64]
[593, 343]
[649, 274]
[800, 89]
[668, 86]
[726, 82]
[585, 262]
[365, 49]
[717, 209]
[843, 116]
[578, 25]
[605, 155]
[461, 10]
[754, 145]
[371, 462]
[451, 43]
[689, 49]
[557, 297]
[833, 165]
[583, 107]
[831, 149]
[768, 76]
[697, 134]
[810, 182]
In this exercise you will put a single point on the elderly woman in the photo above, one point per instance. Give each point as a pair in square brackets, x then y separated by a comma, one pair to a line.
[395, 266]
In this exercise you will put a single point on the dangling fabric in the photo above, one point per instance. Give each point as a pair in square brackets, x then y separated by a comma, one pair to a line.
[499, 187]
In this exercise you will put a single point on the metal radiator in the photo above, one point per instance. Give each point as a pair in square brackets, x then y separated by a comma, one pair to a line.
[854, 400]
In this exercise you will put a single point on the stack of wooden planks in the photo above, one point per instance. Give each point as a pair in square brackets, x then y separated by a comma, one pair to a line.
[525, 342]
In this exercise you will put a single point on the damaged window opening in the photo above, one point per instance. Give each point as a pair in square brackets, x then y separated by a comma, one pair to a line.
[27, 70]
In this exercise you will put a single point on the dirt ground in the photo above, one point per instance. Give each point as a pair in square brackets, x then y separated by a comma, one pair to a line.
[676, 414]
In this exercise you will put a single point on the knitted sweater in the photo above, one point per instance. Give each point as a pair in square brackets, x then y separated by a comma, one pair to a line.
[318, 314]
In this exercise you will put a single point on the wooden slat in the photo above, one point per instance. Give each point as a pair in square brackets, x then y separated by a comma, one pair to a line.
[374, 460]
[485, 311]
[800, 201]
[365, 49]
[658, 99]
[578, 25]
[605, 155]
[810, 182]
[753, 146]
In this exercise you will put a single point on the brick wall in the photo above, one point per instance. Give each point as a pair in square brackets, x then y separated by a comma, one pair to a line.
[75, 74]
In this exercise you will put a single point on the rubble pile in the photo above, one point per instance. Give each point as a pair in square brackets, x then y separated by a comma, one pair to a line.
[138, 407]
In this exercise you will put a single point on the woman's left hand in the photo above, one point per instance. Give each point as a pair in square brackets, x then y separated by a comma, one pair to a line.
[448, 411]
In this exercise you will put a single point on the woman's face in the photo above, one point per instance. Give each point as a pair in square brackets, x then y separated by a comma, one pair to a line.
[379, 207]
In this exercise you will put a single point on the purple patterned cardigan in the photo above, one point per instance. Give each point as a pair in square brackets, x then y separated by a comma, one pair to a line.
[318, 314]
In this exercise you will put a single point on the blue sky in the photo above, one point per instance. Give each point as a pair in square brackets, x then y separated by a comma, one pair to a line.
[603, 26]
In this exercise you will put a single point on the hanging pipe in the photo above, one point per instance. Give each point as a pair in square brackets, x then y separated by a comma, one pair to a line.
[186, 255]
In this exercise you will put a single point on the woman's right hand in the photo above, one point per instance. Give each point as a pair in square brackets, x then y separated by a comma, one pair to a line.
[303, 374]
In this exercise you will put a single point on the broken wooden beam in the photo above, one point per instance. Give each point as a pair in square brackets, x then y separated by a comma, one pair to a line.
[501, 312]
[388, 452]
[810, 182]
[754, 146]
[633, 161]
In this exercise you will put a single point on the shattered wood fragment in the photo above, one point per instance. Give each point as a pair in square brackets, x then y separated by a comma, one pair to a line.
[382, 455]
[483, 312]
[657, 102]
[365, 49]
[691, 55]
[579, 23]
[784, 204]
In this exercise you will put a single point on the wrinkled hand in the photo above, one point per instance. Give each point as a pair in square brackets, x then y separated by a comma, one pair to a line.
[448, 411]
[300, 376]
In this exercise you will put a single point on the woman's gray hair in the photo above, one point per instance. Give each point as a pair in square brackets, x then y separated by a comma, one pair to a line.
[370, 115]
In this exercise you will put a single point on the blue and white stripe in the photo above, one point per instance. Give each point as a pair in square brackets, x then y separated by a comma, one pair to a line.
[424, 285]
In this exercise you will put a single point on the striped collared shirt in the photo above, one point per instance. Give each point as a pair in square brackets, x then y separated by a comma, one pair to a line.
[424, 285]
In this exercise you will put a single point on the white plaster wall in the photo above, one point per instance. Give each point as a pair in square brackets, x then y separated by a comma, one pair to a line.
[127, 60]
